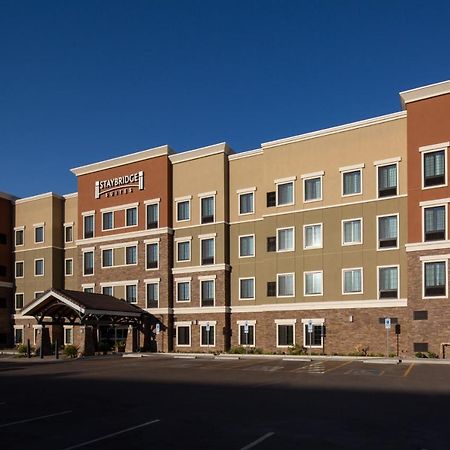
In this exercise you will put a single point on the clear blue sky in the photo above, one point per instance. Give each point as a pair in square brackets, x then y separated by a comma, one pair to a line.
[83, 81]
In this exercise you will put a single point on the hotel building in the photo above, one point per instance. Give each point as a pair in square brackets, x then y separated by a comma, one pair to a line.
[331, 231]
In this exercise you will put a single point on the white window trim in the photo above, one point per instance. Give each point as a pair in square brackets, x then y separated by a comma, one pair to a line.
[355, 169]
[68, 327]
[212, 323]
[137, 217]
[43, 267]
[23, 269]
[214, 250]
[313, 176]
[293, 285]
[147, 283]
[37, 293]
[244, 192]
[15, 300]
[348, 244]
[239, 245]
[438, 259]
[434, 205]
[183, 241]
[379, 166]
[90, 286]
[113, 220]
[146, 205]
[304, 236]
[112, 259]
[288, 323]
[65, 267]
[317, 323]
[146, 246]
[35, 227]
[304, 283]
[66, 226]
[293, 240]
[19, 327]
[182, 200]
[118, 208]
[254, 288]
[90, 213]
[183, 324]
[202, 280]
[387, 266]
[377, 237]
[22, 229]
[251, 323]
[126, 294]
[201, 197]
[347, 269]
[280, 183]
[91, 250]
[107, 286]
[432, 149]
[183, 280]
[125, 255]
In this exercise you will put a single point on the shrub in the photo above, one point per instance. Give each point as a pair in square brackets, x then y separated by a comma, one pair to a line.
[432, 355]
[70, 351]
[297, 349]
[22, 349]
[420, 355]
[237, 350]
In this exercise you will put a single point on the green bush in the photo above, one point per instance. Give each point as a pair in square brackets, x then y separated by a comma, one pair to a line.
[432, 355]
[297, 349]
[70, 351]
[420, 355]
[237, 350]
[22, 349]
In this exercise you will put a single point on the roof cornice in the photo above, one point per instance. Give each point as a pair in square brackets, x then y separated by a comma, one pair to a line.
[202, 152]
[38, 197]
[424, 92]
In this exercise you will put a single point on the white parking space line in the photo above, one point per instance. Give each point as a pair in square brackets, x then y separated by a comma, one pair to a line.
[4, 425]
[258, 441]
[107, 436]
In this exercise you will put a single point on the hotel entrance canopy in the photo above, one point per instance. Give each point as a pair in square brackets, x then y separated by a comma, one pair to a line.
[59, 306]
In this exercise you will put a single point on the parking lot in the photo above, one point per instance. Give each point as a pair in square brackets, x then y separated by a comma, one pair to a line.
[172, 402]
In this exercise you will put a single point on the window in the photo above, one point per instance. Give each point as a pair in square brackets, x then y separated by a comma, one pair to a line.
[88, 263]
[183, 210]
[352, 281]
[246, 203]
[183, 335]
[247, 335]
[271, 199]
[271, 289]
[388, 282]
[435, 223]
[68, 335]
[88, 289]
[387, 180]
[246, 246]
[183, 291]
[152, 256]
[38, 267]
[312, 188]
[88, 222]
[108, 220]
[18, 335]
[285, 335]
[207, 335]
[285, 239]
[285, 285]
[207, 209]
[207, 249]
[19, 301]
[19, 237]
[387, 232]
[108, 257]
[435, 274]
[39, 234]
[38, 294]
[183, 251]
[312, 236]
[68, 267]
[246, 288]
[131, 217]
[152, 295]
[285, 193]
[207, 292]
[68, 233]
[131, 255]
[272, 244]
[351, 182]
[434, 164]
[131, 293]
[108, 290]
[352, 232]
[313, 283]
[19, 269]
[313, 338]
[152, 216]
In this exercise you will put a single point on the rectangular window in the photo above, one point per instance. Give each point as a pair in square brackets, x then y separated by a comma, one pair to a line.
[285, 193]
[208, 294]
[208, 335]
[131, 217]
[207, 249]
[183, 211]
[315, 338]
[152, 295]
[88, 290]
[351, 182]
[152, 216]
[313, 283]
[88, 222]
[131, 255]
[108, 290]
[247, 335]
[434, 168]
[387, 180]
[435, 279]
[388, 282]
[68, 233]
[38, 235]
[352, 281]
[271, 199]
[285, 240]
[152, 256]
[183, 251]
[68, 335]
[285, 285]
[435, 223]
[207, 209]
[131, 293]
[312, 236]
[38, 267]
[285, 335]
[68, 267]
[387, 232]
[88, 263]
[19, 301]
[271, 289]
[108, 220]
[19, 237]
[246, 246]
[19, 269]
[272, 244]
[183, 291]
[18, 335]
[312, 189]
[183, 336]
[107, 257]
[246, 289]
[246, 203]
[352, 232]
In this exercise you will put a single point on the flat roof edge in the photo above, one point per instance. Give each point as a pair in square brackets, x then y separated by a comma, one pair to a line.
[424, 92]
[38, 197]
[246, 154]
[209, 150]
[10, 197]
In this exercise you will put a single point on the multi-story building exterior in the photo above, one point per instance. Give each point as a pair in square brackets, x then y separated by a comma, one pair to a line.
[311, 240]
